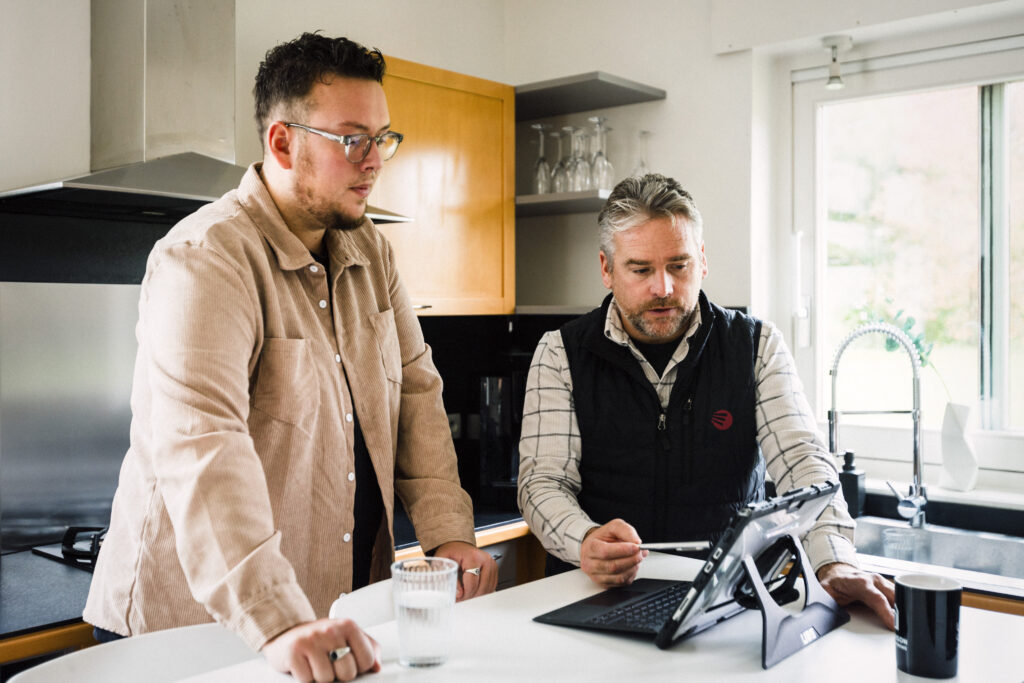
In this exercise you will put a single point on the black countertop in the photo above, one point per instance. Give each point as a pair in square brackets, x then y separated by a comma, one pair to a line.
[405, 536]
[37, 593]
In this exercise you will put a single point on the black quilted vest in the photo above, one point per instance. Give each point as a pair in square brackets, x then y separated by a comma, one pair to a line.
[679, 474]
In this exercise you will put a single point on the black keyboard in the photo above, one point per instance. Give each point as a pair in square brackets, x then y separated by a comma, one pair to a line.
[647, 615]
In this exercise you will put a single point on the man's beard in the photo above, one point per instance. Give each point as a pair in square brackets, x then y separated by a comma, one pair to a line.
[336, 220]
[665, 330]
[329, 217]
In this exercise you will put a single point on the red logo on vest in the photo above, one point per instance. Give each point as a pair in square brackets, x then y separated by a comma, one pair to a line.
[721, 419]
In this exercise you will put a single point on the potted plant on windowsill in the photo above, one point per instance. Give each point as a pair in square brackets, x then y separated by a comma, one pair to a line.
[959, 463]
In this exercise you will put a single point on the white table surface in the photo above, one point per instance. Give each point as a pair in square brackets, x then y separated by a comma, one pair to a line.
[496, 640]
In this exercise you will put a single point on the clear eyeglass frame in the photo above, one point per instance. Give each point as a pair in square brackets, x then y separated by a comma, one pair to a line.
[357, 146]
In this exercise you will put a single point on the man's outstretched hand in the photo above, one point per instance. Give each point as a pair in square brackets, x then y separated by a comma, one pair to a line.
[846, 584]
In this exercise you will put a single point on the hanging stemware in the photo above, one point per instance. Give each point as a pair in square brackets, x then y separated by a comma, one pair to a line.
[641, 165]
[602, 173]
[559, 172]
[579, 172]
[541, 170]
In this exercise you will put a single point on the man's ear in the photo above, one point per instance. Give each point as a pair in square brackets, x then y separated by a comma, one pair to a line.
[279, 144]
[606, 270]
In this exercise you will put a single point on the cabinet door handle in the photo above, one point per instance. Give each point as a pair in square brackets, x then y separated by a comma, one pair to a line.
[420, 307]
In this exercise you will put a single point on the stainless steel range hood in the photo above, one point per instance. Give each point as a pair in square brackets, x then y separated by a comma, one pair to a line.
[161, 190]
[162, 117]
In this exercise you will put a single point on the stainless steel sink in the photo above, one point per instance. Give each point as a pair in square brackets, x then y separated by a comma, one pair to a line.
[943, 546]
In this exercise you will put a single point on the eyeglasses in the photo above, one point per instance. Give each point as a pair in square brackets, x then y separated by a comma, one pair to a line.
[357, 147]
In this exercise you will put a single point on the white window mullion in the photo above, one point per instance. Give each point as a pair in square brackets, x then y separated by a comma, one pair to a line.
[995, 262]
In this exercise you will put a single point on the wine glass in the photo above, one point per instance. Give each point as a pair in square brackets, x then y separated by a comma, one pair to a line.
[579, 171]
[602, 173]
[541, 170]
[559, 173]
[641, 165]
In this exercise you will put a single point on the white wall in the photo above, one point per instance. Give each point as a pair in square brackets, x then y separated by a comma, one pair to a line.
[44, 90]
[701, 133]
[745, 24]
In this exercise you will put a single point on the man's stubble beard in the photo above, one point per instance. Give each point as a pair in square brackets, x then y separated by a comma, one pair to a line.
[329, 217]
[636, 318]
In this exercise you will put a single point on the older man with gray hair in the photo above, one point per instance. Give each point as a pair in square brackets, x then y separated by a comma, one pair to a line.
[657, 415]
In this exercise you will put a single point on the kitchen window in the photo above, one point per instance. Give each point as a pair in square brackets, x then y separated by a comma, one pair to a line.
[909, 208]
[924, 229]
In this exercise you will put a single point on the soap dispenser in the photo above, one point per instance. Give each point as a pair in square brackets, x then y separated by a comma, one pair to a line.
[852, 481]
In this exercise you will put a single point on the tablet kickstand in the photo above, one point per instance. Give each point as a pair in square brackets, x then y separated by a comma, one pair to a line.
[783, 632]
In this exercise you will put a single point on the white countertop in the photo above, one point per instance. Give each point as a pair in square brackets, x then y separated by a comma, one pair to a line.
[496, 640]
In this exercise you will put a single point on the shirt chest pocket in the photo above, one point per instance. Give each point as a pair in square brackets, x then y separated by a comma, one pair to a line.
[387, 341]
[285, 385]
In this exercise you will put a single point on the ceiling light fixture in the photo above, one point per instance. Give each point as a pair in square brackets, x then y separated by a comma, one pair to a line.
[835, 44]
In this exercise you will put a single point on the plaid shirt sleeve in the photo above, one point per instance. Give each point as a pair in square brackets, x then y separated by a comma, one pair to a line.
[549, 454]
[794, 449]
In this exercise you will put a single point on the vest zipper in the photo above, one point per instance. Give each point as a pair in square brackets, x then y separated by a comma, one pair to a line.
[687, 410]
[661, 422]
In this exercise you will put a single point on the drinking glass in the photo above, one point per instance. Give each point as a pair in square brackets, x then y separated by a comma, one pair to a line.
[602, 173]
[641, 165]
[559, 172]
[541, 170]
[423, 595]
[579, 171]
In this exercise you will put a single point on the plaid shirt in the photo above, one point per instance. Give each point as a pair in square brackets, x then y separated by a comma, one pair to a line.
[788, 435]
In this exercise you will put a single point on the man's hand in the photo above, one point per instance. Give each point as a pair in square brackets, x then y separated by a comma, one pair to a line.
[610, 555]
[471, 584]
[846, 584]
[304, 651]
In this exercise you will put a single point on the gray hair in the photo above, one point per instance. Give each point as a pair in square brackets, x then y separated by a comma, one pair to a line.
[638, 200]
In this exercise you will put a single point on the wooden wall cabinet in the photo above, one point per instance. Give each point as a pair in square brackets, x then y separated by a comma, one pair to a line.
[455, 176]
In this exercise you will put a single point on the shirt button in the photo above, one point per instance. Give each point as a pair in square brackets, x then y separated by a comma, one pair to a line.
[347, 538]
[323, 303]
[314, 269]
[337, 358]
[348, 417]
[351, 476]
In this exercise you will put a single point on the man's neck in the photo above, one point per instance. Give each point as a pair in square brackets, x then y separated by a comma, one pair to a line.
[308, 231]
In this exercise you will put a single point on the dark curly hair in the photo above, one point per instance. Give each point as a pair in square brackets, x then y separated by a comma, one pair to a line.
[290, 70]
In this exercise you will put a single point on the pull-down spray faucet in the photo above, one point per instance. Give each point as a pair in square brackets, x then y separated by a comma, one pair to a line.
[911, 506]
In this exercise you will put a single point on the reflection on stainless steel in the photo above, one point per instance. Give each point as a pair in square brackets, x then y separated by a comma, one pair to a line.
[66, 357]
[977, 551]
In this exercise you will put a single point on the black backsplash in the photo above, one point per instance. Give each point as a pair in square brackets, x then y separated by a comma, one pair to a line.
[466, 349]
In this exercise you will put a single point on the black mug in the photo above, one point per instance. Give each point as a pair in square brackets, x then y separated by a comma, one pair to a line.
[927, 625]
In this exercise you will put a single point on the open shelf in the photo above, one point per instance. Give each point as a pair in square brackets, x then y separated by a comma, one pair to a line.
[560, 203]
[583, 92]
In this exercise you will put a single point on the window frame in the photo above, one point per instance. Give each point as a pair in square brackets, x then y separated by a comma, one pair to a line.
[998, 449]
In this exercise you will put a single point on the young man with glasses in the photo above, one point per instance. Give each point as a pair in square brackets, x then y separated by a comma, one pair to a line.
[283, 394]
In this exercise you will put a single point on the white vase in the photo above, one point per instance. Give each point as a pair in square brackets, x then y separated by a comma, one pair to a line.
[959, 464]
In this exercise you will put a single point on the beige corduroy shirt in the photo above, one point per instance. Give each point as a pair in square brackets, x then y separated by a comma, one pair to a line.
[235, 499]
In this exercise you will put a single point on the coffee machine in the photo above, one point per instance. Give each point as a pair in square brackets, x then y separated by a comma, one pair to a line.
[501, 418]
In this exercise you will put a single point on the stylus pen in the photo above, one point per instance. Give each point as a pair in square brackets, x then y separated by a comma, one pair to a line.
[679, 545]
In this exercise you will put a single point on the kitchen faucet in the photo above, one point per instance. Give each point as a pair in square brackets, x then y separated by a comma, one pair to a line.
[911, 506]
